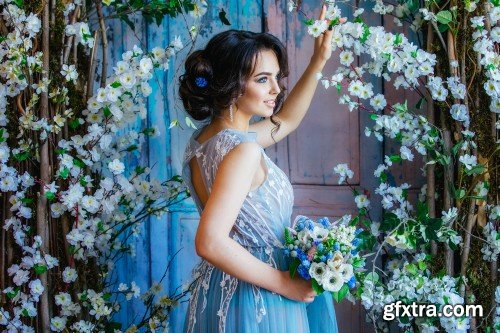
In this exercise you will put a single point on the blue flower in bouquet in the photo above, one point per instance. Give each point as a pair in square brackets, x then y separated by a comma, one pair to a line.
[358, 231]
[323, 258]
[324, 222]
[309, 224]
[304, 272]
[300, 226]
[354, 252]
[355, 242]
[352, 282]
[321, 247]
[306, 263]
[329, 255]
[336, 246]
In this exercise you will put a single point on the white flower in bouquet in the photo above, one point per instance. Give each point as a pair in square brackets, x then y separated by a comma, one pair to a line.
[332, 281]
[346, 271]
[318, 270]
[319, 234]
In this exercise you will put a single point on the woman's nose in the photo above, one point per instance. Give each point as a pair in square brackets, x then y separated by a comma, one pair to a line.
[275, 89]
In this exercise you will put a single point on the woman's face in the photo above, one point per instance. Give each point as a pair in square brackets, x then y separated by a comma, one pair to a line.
[262, 87]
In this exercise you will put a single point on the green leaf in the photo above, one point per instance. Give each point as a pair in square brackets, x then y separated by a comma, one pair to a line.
[309, 22]
[456, 147]
[39, 269]
[495, 3]
[354, 221]
[78, 163]
[74, 123]
[116, 84]
[366, 33]
[372, 276]
[411, 268]
[13, 293]
[64, 173]
[106, 296]
[374, 116]
[27, 201]
[107, 111]
[398, 40]
[383, 177]
[478, 169]
[358, 262]
[177, 178]
[50, 195]
[126, 19]
[316, 287]
[444, 17]
[339, 87]
[2, 139]
[341, 294]
[293, 267]
[113, 327]
[452, 245]
[288, 238]
[443, 27]
[422, 211]
[389, 222]
[132, 148]
[19, 3]
[396, 158]
[419, 103]
[460, 194]
[83, 182]
[60, 151]
[139, 170]
[222, 17]
[422, 265]
[22, 156]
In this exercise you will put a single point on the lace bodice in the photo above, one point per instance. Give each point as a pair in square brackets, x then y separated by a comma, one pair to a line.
[265, 211]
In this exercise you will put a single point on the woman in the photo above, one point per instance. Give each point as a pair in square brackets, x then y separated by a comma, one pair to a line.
[244, 199]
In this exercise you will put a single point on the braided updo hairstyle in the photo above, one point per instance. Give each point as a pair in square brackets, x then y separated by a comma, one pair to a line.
[216, 76]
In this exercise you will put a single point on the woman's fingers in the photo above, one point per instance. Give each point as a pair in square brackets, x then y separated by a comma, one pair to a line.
[323, 13]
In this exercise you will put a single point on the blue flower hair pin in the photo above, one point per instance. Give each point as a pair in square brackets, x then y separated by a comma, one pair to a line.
[201, 82]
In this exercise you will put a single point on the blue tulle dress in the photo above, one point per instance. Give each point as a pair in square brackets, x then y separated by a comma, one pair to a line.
[222, 303]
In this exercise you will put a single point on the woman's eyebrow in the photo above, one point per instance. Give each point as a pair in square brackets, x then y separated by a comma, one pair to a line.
[263, 73]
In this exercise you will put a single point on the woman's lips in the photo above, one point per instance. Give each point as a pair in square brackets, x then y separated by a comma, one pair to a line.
[270, 103]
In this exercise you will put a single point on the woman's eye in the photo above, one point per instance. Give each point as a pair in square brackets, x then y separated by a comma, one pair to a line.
[262, 80]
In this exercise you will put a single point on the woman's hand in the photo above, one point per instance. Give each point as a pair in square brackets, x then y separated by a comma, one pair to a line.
[323, 43]
[297, 288]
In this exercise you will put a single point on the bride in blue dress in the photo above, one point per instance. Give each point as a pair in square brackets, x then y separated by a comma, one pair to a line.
[245, 201]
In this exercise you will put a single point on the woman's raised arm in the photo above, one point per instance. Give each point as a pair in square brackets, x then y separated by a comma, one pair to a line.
[298, 101]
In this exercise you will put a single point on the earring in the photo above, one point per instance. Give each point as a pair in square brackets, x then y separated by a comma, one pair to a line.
[231, 112]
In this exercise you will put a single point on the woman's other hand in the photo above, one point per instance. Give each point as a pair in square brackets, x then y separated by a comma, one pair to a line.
[297, 288]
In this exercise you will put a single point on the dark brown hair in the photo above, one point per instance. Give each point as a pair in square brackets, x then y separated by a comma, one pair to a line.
[226, 64]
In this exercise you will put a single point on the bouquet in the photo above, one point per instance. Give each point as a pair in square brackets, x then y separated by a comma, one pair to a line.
[325, 253]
